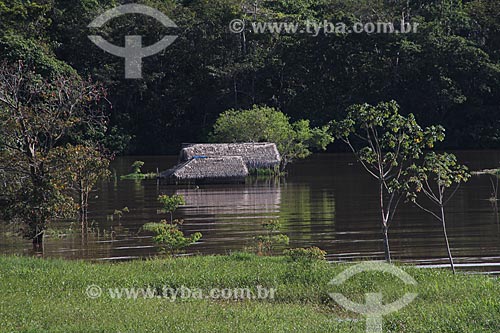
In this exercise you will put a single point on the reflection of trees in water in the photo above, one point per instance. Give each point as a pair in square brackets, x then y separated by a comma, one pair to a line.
[135, 194]
[306, 213]
[494, 198]
[237, 201]
[234, 214]
[73, 246]
[229, 217]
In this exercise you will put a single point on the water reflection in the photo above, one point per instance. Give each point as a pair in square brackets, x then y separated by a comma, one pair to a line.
[255, 201]
[325, 201]
[307, 214]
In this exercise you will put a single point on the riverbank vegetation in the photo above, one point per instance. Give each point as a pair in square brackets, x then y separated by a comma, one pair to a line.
[437, 178]
[448, 72]
[56, 300]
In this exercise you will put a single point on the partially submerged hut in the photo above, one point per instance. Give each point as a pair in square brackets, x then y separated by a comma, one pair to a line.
[261, 155]
[221, 162]
[201, 169]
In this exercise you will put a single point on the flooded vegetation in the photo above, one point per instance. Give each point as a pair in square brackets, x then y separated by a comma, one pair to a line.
[325, 201]
[343, 178]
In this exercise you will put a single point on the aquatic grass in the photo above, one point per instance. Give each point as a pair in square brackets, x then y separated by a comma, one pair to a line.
[40, 295]
[137, 173]
[139, 176]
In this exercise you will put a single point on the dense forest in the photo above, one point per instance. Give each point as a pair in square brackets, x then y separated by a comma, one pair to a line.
[448, 72]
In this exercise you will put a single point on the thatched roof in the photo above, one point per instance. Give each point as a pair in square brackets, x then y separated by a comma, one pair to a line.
[255, 155]
[209, 169]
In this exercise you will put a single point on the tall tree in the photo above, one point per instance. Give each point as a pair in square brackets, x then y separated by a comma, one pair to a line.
[386, 144]
[76, 171]
[36, 115]
[433, 179]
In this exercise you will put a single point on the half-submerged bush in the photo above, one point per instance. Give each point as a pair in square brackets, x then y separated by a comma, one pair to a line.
[265, 243]
[305, 254]
[267, 172]
[169, 237]
[137, 173]
[167, 233]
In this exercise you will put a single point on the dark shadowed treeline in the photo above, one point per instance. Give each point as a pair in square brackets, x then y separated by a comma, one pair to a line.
[447, 73]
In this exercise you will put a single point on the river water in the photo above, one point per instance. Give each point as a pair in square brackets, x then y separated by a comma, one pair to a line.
[326, 201]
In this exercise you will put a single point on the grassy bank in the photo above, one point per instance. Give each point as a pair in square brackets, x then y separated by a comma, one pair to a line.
[50, 296]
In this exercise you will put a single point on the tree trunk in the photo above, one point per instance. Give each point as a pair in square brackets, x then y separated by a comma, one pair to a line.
[84, 222]
[387, 250]
[450, 257]
[283, 164]
[81, 213]
[385, 227]
[84, 201]
[235, 90]
[38, 241]
[86, 210]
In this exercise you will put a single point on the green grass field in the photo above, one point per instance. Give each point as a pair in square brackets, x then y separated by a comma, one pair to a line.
[39, 295]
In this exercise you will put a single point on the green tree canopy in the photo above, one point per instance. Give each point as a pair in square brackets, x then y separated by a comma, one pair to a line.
[448, 72]
[267, 124]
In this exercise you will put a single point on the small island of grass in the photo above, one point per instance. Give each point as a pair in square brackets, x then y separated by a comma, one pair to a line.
[137, 173]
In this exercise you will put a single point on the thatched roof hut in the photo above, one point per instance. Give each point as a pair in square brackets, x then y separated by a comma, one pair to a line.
[227, 169]
[255, 155]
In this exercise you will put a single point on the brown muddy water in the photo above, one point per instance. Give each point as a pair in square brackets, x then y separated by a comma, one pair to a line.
[325, 201]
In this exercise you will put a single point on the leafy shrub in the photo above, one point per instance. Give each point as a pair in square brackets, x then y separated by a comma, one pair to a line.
[171, 203]
[266, 124]
[167, 233]
[169, 237]
[242, 256]
[266, 172]
[305, 254]
[136, 166]
[265, 243]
